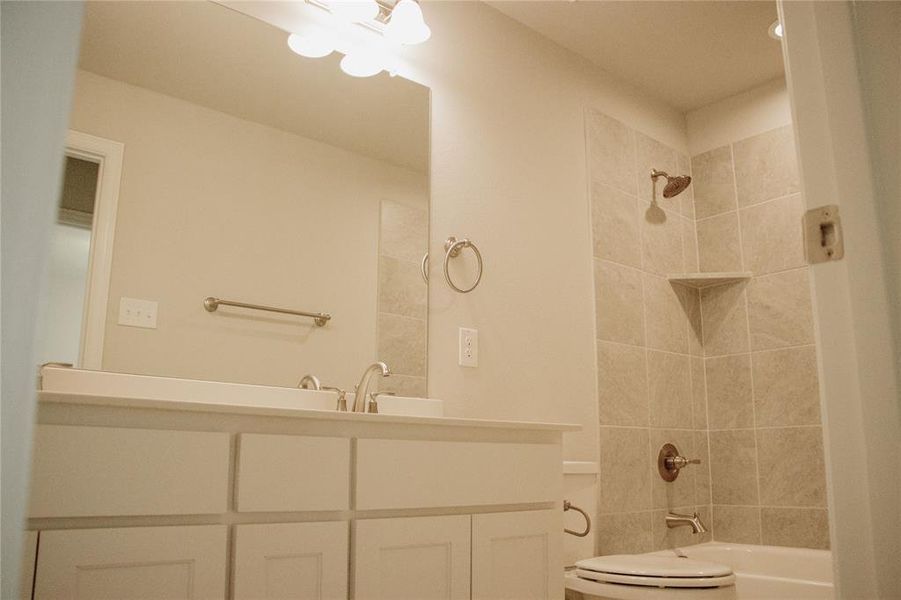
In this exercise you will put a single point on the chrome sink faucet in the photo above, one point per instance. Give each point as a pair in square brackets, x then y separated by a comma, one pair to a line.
[693, 521]
[308, 382]
[362, 390]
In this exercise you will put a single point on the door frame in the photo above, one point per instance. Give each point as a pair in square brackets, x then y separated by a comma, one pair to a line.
[859, 388]
[108, 154]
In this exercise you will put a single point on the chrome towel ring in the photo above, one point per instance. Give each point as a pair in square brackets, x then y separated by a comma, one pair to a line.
[452, 248]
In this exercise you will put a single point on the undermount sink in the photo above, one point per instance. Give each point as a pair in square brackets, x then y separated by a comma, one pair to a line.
[64, 380]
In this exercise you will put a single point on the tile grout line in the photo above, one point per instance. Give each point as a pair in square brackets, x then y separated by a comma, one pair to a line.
[741, 251]
[754, 205]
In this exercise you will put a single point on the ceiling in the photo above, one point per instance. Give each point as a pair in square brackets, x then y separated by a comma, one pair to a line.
[213, 56]
[685, 53]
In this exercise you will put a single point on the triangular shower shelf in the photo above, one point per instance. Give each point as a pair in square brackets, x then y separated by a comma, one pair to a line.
[706, 280]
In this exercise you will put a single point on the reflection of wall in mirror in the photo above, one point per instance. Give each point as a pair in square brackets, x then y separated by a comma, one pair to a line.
[403, 297]
[215, 205]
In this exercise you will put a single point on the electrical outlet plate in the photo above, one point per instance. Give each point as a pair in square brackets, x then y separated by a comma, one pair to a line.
[137, 313]
[469, 347]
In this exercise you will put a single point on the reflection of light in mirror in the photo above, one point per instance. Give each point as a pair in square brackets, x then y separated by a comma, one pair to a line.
[311, 45]
[369, 34]
[362, 64]
[354, 11]
[407, 25]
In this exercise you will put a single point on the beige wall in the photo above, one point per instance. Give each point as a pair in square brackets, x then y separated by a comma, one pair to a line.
[650, 370]
[509, 171]
[215, 205]
[767, 463]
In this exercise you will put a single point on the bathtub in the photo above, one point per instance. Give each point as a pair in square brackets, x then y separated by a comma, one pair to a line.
[761, 573]
[771, 572]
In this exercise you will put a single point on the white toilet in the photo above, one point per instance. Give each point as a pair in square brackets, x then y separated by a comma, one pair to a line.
[649, 577]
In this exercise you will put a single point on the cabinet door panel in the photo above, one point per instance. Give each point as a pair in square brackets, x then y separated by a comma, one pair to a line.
[136, 563]
[421, 558]
[301, 561]
[517, 556]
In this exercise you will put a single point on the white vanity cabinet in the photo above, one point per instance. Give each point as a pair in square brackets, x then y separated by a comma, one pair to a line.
[427, 558]
[157, 500]
[132, 562]
[302, 561]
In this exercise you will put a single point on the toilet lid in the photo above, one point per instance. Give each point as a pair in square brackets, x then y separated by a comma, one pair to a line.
[647, 565]
[657, 582]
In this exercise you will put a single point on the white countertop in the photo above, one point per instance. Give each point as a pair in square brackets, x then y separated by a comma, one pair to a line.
[97, 388]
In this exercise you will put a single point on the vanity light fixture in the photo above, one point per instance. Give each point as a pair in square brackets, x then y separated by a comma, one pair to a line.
[776, 30]
[364, 31]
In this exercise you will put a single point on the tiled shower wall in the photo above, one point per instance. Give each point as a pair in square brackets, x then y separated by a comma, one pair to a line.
[403, 298]
[766, 441]
[650, 365]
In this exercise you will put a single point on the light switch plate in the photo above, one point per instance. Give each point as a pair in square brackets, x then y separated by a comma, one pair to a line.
[469, 347]
[137, 313]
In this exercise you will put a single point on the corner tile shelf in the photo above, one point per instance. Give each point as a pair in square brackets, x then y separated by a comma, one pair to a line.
[706, 280]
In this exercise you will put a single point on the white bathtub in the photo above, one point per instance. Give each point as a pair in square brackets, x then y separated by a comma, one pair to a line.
[771, 572]
[761, 573]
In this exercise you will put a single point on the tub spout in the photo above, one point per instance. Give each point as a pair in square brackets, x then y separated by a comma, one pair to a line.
[693, 521]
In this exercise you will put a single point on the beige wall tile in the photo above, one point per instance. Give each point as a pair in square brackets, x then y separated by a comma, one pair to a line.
[625, 474]
[612, 152]
[623, 533]
[690, 299]
[736, 524]
[733, 467]
[661, 241]
[690, 246]
[698, 394]
[402, 344]
[681, 492]
[772, 239]
[795, 527]
[404, 231]
[702, 471]
[706, 514]
[714, 182]
[686, 198]
[779, 310]
[725, 320]
[614, 225]
[404, 385]
[665, 319]
[622, 385]
[718, 243]
[729, 401]
[669, 389]
[401, 288]
[792, 470]
[786, 389]
[765, 166]
[652, 154]
[618, 299]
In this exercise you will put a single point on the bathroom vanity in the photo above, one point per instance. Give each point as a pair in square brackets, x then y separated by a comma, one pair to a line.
[250, 498]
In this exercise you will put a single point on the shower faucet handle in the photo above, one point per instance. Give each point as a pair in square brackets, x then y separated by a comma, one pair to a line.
[670, 462]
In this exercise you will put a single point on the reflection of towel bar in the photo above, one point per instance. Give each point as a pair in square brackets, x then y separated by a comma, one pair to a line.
[211, 304]
[567, 505]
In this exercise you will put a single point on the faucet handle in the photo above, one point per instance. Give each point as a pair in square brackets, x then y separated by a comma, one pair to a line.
[341, 405]
[670, 462]
[373, 405]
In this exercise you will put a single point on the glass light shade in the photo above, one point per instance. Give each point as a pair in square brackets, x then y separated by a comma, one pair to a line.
[362, 64]
[312, 45]
[407, 25]
[776, 30]
[354, 11]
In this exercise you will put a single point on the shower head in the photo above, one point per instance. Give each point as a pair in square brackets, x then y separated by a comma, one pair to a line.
[675, 184]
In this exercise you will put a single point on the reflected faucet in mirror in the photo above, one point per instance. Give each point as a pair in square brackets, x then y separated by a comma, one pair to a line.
[362, 389]
[309, 382]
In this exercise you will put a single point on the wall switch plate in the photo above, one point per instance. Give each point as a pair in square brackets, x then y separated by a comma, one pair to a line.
[469, 347]
[137, 313]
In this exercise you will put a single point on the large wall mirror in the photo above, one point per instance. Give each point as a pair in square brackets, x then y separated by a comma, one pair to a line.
[205, 159]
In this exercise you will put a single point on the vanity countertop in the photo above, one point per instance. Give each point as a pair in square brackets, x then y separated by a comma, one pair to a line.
[75, 387]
